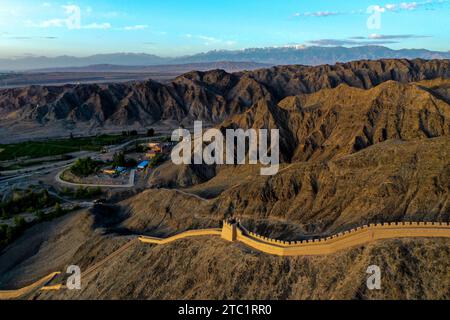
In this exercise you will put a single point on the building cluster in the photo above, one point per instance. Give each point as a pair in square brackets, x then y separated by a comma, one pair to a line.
[151, 151]
[156, 148]
[113, 171]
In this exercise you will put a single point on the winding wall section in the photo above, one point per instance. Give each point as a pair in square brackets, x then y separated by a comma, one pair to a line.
[329, 245]
[235, 232]
[345, 240]
[16, 294]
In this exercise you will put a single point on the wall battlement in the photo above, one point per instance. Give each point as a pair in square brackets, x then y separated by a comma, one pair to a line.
[343, 240]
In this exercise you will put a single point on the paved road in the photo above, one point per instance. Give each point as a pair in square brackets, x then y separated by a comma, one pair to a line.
[130, 183]
[50, 165]
[15, 176]
[76, 156]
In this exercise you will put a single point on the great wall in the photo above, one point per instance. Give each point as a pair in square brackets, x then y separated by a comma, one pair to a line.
[235, 232]
[16, 294]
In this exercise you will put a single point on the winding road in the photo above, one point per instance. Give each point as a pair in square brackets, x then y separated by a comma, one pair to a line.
[130, 183]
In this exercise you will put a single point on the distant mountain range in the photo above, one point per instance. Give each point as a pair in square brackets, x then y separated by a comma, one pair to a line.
[272, 56]
[174, 69]
[111, 73]
[315, 55]
[212, 96]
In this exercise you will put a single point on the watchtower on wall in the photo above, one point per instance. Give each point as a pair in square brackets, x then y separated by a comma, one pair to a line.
[229, 230]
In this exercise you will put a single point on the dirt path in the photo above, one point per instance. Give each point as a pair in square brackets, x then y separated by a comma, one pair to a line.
[186, 194]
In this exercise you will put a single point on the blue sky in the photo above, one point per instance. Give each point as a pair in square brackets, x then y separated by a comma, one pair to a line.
[181, 27]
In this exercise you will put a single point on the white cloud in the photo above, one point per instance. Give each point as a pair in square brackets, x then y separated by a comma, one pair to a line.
[208, 40]
[102, 26]
[392, 7]
[52, 23]
[375, 36]
[71, 20]
[319, 14]
[136, 27]
[230, 42]
[59, 23]
[408, 6]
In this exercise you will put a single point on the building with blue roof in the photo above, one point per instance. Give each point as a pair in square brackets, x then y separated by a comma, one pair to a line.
[143, 165]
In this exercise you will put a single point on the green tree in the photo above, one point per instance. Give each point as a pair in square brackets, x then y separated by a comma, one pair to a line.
[80, 193]
[9, 235]
[84, 167]
[96, 191]
[58, 210]
[4, 214]
[40, 215]
[119, 160]
[44, 197]
[150, 132]
[19, 222]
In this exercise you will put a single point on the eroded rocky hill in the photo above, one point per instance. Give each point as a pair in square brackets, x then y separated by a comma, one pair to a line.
[343, 120]
[211, 96]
